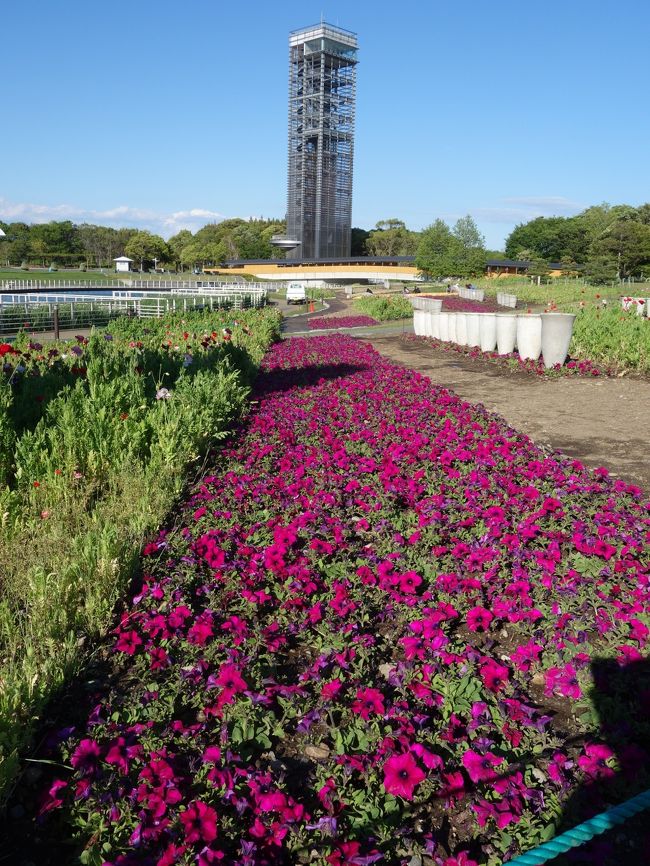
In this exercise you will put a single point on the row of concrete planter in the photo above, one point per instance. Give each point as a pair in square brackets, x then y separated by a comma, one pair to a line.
[506, 300]
[471, 294]
[545, 334]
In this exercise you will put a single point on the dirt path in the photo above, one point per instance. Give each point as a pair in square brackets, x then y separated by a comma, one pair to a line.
[601, 422]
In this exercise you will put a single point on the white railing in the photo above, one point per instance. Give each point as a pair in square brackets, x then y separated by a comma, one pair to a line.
[37, 311]
[196, 285]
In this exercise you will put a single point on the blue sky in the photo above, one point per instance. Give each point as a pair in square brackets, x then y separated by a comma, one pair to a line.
[169, 115]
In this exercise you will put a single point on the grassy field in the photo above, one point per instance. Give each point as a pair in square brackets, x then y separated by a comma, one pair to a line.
[562, 292]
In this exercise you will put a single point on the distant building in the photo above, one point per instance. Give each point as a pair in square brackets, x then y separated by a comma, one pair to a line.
[322, 95]
[123, 263]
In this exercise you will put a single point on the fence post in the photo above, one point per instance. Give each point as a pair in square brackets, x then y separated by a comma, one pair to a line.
[55, 321]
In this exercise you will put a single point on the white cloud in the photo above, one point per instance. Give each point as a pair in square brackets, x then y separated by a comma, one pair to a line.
[165, 224]
[524, 208]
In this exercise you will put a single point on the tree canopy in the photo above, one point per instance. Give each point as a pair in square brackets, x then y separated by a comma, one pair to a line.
[607, 241]
[457, 252]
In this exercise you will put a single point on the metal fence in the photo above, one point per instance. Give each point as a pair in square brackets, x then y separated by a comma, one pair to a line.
[49, 311]
[23, 285]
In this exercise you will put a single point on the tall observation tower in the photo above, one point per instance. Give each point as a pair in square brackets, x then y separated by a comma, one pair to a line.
[322, 91]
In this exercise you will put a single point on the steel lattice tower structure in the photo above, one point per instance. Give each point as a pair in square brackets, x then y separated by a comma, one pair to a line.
[322, 93]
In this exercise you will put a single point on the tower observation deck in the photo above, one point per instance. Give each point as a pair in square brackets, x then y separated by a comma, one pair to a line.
[322, 92]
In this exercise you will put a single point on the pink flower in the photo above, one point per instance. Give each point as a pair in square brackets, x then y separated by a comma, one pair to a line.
[478, 618]
[199, 822]
[494, 675]
[52, 799]
[230, 680]
[212, 755]
[369, 702]
[85, 756]
[409, 582]
[401, 775]
[331, 690]
[594, 761]
[480, 767]
[461, 859]
[128, 642]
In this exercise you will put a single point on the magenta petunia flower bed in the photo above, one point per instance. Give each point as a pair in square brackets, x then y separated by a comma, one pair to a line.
[328, 322]
[374, 632]
[452, 303]
[513, 362]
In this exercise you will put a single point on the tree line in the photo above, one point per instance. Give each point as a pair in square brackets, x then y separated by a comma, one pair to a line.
[65, 243]
[608, 242]
[603, 243]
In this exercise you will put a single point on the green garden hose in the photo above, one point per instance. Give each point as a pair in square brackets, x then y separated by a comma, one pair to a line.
[583, 832]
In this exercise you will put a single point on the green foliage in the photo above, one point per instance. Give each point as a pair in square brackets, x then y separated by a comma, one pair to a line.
[144, 247]
[612, 337]
[384, 308]
[7, 432]
[548, 238]
[391, 238]
[358, 242]
[466, 231]
[434, 253]
[92, 473]
[442, 252]
[612, 242]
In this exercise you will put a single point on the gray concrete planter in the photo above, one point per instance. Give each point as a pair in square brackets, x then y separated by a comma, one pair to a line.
[473, 336]
[506, 328]
[452, 327]
[557, 330]
[529, 336]
[443, 326]
[487, 329]
[461, 329]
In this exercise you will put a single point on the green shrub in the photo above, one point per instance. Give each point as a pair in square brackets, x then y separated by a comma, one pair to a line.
[384, 308]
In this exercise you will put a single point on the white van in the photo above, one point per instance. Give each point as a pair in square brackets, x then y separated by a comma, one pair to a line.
[296, 293]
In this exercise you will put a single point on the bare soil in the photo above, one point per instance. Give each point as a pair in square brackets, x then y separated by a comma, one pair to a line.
[599, 421]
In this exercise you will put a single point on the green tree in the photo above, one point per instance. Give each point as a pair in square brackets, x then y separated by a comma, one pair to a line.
[437, 250]
[625, 242]
[643, 214]
[466, 231]
[600, 269]
[391, 238]
[17, 241]
[550, 238]
[56, 240]
[145, 247]
[101, 244]
[358, 242]
[177, 244]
